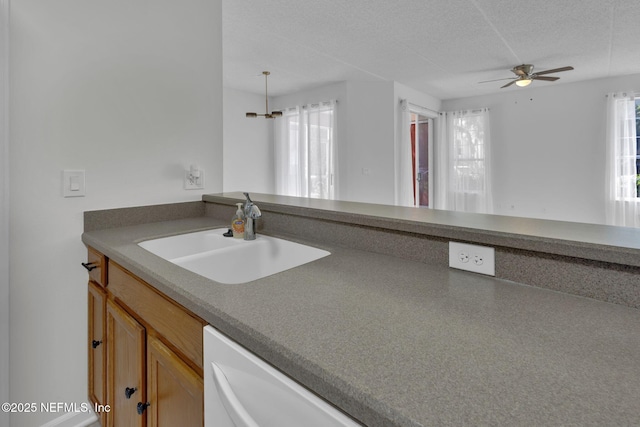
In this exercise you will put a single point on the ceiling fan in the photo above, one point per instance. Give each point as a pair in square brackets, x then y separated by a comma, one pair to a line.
[525, 75]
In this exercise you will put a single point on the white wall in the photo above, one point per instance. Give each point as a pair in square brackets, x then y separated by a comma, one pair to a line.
[4, 210]
[248, 144]
[370, 154]
[324, 93]
[128, 90]
[548, 147]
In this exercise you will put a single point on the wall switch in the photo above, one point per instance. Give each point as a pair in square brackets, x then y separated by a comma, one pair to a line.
[73, 184]
[479, 259]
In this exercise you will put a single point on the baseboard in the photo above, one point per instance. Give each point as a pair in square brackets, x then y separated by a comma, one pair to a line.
[74, 419]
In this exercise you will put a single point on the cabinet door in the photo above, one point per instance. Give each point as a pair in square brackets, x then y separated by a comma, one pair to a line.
[175, 391]
[125, 368]
[97, 345]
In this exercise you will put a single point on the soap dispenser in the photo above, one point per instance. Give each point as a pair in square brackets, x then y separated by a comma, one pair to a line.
[237, 223]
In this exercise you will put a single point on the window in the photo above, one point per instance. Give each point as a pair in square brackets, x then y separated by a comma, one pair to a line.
[637, 147]
[622, 163]
[465, 184]
[468, 156]
[625, 143]
[305, 145]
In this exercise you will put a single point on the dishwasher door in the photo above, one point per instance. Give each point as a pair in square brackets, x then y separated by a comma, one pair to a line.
[241, 390]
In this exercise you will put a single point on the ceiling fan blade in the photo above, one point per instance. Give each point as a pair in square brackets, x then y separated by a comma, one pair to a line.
[545, 78]
[497, 80]
[509, 84]
[555, 70]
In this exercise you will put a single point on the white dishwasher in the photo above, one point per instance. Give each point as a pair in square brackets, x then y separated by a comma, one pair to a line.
[241, 390]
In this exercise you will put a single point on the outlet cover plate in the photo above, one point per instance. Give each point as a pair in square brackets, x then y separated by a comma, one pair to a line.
[193, 184]
[475, 258]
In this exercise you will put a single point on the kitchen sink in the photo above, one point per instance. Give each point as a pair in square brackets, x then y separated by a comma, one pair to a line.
[232, 261]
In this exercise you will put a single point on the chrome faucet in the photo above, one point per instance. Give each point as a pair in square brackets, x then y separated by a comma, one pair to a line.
[251, 213]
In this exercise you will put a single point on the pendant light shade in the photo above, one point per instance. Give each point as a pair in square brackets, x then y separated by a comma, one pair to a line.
[266, 115]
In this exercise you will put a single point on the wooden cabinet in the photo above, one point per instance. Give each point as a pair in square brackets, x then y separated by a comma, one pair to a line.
[147, 365]
[125, 368]
[97, 346]
[96, 265]
[179, 328]
[176, 390]
[97, 342]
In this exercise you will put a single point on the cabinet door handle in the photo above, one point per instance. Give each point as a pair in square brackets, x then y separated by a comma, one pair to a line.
[129, 391]
[89, 265]
[232, 405]
[95, 343]
[142, 407]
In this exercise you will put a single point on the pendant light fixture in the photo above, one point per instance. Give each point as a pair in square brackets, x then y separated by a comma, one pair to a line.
[266, 115]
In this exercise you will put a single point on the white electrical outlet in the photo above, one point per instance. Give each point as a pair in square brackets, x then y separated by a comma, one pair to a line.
[479, 259]
[194, 179]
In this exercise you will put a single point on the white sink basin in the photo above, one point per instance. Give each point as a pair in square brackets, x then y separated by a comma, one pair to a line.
[231, 261]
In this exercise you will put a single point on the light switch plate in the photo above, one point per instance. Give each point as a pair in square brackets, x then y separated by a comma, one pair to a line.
[73, 183]
[479, 259]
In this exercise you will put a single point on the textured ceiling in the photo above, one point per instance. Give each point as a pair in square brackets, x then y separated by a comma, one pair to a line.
[439, 47]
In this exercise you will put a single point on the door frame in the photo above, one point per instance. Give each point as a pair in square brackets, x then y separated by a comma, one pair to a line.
[430, 122]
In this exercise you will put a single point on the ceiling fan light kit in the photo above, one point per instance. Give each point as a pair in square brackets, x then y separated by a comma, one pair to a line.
[525, 75]
[266, 115]
[523, 82]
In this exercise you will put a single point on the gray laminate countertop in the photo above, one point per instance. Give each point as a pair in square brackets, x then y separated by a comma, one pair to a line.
[401, 343]
[598, 242]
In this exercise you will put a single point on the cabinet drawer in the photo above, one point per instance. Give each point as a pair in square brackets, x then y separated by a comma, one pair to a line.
[97, 267]
[170, 320]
